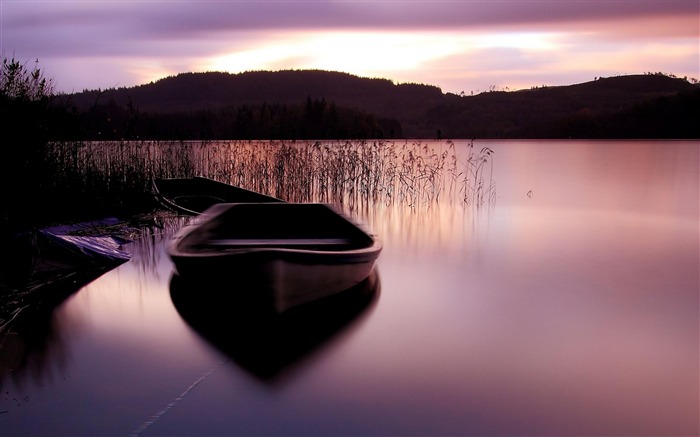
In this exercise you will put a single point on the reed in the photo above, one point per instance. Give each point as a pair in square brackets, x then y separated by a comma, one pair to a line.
[115, 175]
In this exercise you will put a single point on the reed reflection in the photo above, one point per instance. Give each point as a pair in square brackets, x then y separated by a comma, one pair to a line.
[147, 250]
[265, 343]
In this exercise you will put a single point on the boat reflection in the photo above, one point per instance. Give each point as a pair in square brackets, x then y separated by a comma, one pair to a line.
[265, 343]
[32, 341]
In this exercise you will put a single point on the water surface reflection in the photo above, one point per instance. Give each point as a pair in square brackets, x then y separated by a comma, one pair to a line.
[573, 311]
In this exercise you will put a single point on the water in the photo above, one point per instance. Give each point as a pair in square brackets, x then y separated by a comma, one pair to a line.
[567, 306]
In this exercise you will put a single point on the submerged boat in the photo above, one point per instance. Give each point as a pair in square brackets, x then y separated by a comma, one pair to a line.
[35, 255]
[194, 195]
[46, 265]
[280, 254]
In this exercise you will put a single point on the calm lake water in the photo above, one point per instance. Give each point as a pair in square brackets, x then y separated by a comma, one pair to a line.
[566, 305]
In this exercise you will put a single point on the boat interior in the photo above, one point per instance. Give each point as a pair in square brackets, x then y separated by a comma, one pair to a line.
[281, 225]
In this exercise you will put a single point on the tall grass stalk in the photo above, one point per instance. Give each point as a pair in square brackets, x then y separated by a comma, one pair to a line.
[112, 175]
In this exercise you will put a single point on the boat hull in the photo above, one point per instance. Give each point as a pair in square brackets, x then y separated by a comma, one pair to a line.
[275, 280]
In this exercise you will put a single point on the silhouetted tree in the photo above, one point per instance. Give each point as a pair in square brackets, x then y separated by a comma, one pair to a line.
[25, 95]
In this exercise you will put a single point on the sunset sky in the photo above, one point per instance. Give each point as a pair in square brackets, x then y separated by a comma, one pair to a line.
[458, 45]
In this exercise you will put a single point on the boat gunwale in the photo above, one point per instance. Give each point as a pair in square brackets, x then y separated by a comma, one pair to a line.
[201, 187]
[180, 248]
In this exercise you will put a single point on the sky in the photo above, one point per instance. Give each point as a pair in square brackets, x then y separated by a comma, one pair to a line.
[467, 46]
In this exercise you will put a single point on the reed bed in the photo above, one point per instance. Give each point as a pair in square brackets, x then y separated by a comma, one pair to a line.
[354, 173]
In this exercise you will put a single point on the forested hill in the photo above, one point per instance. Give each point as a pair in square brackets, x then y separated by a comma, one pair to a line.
[305, 103]
[195, 91]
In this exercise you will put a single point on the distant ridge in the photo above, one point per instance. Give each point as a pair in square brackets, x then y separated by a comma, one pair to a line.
[424, 111]
[194, 91]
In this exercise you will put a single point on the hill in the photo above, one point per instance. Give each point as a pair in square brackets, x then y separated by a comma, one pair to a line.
[215, 90]
[565, 111]
[590, 109]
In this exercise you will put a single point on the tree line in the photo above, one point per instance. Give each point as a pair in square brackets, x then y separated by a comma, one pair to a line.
[312, 119]
[311, 104]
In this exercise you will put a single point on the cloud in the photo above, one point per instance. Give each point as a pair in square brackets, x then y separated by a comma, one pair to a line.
[441, 42]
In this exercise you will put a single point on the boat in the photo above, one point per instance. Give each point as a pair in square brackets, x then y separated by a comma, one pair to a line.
[46, 265]
[191, 196]
[37, 254]
[280, 255]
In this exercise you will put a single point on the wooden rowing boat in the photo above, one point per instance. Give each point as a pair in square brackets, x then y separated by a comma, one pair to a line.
[193, 195]
[289, 253]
